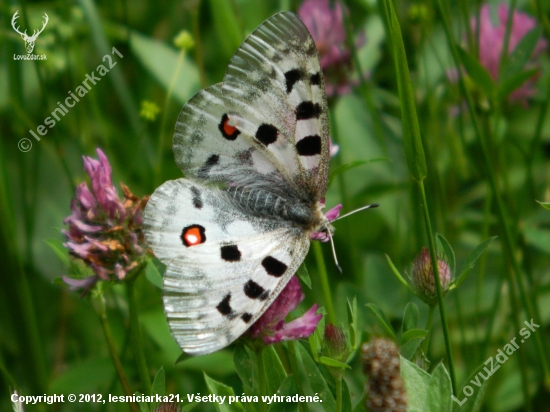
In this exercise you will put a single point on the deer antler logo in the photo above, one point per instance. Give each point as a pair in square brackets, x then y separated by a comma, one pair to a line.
[29, 40]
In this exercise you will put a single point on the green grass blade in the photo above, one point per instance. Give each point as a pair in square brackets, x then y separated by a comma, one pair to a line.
[412, 141]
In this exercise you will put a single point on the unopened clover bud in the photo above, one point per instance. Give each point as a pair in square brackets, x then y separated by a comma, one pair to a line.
[423, 277]
[335, 343]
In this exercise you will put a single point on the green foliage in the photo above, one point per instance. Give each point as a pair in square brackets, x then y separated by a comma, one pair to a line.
[319, 379]
[303, 274]
[414, 151]
[410, 318]
[473, 402]
[218, 388]
[471, 260]
[479, 74]
[161, 61]
[153, 274]
[449, 253]
[406, 118]
[427, 392]
[383, 321]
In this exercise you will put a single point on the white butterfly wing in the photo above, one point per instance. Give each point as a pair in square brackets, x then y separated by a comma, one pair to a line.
[212, 297]
[179, 208]
[224, 268]
[274, 92]
[207, 147]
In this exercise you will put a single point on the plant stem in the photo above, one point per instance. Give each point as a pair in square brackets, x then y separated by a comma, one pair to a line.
[429, 321]
[492, 318]
[135, 338]
[507, 33]
[514, 276]
[542, 17]
[435, 267]
[321, 267]
[460, 320]
[338, 393]
[293, 358]
[465, 8]
[100, 308]
[261, 378]
[482, 268]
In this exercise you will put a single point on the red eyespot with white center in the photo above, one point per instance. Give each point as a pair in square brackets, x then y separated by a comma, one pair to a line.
[193, 235]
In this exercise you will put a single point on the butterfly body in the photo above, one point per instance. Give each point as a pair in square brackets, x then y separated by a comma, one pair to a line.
[264, 203]
[255, 151]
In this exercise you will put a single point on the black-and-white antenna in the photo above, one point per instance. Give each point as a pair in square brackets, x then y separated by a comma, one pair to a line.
[357, 210]
[341, 217]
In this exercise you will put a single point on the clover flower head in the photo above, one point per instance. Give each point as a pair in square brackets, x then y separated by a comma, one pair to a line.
[326, 25]
[271, 326]
[104, 230]
[491, 43]
[385, 389]
[423, 280]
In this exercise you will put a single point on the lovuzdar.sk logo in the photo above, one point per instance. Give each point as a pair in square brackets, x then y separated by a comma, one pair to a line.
[29, 40]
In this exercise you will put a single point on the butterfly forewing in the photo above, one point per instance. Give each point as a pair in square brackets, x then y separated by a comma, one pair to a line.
[207, 147]
[273, 91]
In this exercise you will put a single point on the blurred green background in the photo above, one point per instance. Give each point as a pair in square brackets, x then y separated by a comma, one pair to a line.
[51, 341]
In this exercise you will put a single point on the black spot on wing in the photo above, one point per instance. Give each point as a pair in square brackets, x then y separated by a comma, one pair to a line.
[197, 200]
[266, 134]
[246, 317]
[309, 146]
[308, 110]
[224, 307]
[212, 161]
[274, 267]
[291, 77]
[230, 253]
[255, 291]
[315, 79]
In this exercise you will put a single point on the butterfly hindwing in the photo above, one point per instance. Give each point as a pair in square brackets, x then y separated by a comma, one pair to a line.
[224, 269]
[216, 291]
[180, 209]
[273, 90]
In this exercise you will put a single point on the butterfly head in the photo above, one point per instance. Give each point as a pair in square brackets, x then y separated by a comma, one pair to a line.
[323, 228]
